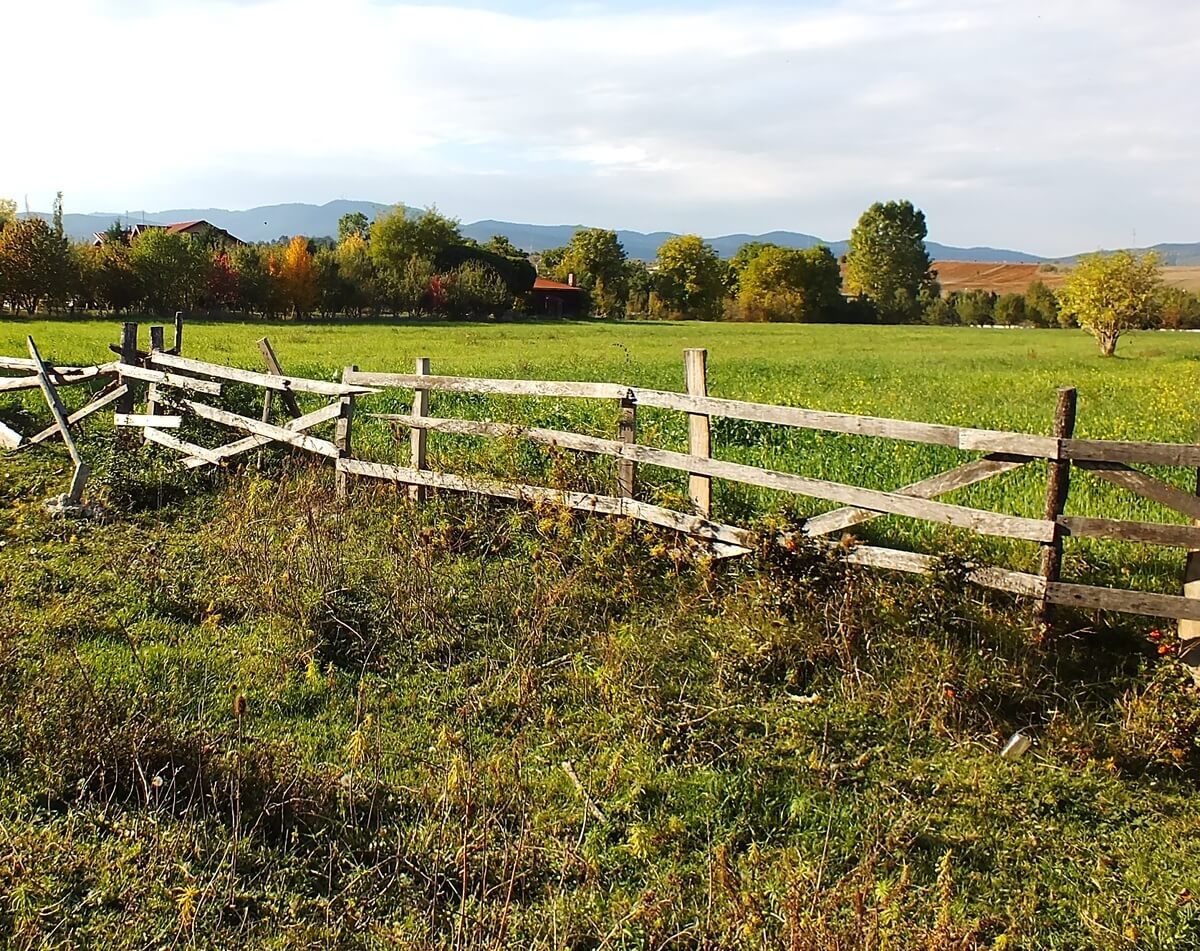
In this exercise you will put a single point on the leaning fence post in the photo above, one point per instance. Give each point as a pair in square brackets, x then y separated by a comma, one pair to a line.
[627, 433]
[345, 421]
[695, 365]
[419, 436]
[82, 471]
[1058, 483]
[129, 335]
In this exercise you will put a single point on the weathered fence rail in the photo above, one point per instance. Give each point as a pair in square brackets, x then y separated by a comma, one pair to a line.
[189, 380]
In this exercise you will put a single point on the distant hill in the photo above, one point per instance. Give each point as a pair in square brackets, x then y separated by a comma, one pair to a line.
[268, 222]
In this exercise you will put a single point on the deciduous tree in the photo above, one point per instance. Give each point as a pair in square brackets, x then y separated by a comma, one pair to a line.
[171, 269]
[597, 260]
[790, 284]
[298, 277]
[353, 224]
[690, 280]
[33, 262]
[1110, 294]
[887, 262]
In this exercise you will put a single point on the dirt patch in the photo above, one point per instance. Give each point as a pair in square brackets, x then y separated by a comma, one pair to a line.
[1016, 278]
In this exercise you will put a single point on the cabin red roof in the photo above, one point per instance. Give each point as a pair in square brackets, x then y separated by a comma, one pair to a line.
[542, 284]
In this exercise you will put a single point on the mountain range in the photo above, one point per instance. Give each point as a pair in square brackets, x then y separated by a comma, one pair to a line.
[269, 222]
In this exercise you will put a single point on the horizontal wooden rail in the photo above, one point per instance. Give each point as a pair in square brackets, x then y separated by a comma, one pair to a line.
[65, 378]
[1146, 533]
[583, 501]
[300, 424]
[173, 380]
[469, 384]
[977, 520]
[321, 447]
[268, 381]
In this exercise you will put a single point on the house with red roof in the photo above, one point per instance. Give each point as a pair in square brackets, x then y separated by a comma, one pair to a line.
[556, 299]
[201, 229]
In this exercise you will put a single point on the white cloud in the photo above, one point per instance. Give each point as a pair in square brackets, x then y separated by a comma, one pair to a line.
[1050, 126]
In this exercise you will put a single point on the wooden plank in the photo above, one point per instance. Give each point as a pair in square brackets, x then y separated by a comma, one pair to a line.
[1023, 444]
[999, 579]
[276, 369]
[418, 436]
[9, 437]
[1058, 482]
[58, 411]
[191, 450]
[229, 450]
[987, 523]
[800, 417]
[16, 384]
[695, 364]
[156, 344]
[321, 447]
[1146, 453]
[961, 477]
[1148, 533]
[172, 380]
[24, 363]
[270, 381]
[105, 397]
[603, 504]
[627, 433]
[1120, 474]
[142, 420]
[1128, 602]
[461, 384]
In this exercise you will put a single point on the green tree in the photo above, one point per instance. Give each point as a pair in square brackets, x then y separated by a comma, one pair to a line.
[501, 245]
[33, 263]
[1111, 294]
[640, 282]
[353, 259]
[396, 236]
[741, 258]
[8, 212]
[887, 262]
[975, 308]
[1009, 310]
[690, 278]
[790, 284]
[57, 217]
[597, 260]
[1180, 309]
[1041, 306]
[353, 223]
[475, 290]
[172, 269]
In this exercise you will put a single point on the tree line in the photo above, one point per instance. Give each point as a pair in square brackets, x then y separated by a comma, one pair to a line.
[407, 262]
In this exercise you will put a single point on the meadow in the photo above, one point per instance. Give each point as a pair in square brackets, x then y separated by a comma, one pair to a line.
[236, 713]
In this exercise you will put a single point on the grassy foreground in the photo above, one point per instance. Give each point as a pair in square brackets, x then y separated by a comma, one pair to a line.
[236, 714]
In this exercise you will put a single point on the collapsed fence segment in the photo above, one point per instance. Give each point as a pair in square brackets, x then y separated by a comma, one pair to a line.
[176, 385]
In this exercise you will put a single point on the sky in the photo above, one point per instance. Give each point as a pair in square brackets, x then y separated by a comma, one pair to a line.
[1050, 126]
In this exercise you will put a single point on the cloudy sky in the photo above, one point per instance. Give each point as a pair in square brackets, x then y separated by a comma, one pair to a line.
[1053, 126]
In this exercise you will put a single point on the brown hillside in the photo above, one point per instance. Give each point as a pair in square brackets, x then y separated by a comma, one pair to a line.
[1002, 278]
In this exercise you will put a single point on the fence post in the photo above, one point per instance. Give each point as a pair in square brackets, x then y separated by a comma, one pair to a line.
[695, 366]
[274, 366]
[156, 344]
[1058, 483]
[1189, 631]
[419, 438]
[177, 347]
[627, 433]
[342, 438]
[129, 335]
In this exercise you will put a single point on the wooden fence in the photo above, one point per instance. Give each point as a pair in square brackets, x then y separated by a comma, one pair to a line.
[1114, 461]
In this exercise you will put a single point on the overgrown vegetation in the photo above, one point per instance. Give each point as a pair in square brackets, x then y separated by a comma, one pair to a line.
[256, 718]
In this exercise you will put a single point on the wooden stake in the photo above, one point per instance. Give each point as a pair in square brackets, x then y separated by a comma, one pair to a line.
[129, 357]
[627, 433]
[156, 345]
[695, 365]
[342, 439]
[1189, 631]
[1058, 483]
[273, 366]
[177, 347]
[80, 476]
[419, 438]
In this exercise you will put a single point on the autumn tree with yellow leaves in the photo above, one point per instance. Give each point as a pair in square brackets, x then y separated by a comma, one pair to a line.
[298, 277]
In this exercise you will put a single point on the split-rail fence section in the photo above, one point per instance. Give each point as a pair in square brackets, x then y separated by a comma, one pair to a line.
[161, 369]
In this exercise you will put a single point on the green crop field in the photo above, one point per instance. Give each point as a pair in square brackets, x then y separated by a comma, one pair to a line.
[235, 712]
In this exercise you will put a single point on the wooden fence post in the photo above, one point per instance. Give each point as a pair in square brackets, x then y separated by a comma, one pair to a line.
[177, 347]
[274, 366]
[1189, 631]
[627, 433]
[342, 439]
[1058, 483]
[129, 335]
[156, 345]
[419, 437]
[695, 366]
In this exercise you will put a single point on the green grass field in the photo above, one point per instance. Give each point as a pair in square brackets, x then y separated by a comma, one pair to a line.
[236, 714]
